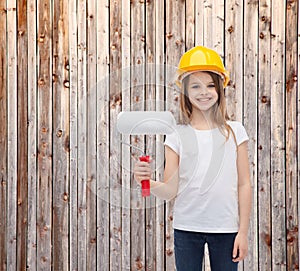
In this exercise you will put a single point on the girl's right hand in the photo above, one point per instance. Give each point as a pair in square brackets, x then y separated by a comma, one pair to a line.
[141, 171]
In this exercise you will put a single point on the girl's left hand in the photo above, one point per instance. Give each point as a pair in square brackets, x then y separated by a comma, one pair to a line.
[240, 249]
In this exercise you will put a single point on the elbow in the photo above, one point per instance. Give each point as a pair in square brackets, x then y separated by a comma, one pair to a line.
[171, 197]
[173, 192]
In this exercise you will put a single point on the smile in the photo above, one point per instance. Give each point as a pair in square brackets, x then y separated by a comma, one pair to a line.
[204, 99]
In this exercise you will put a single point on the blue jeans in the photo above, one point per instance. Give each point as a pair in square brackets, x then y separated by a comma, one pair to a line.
[189, 250]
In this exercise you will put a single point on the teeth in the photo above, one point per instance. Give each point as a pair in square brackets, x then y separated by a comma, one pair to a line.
[204, 100]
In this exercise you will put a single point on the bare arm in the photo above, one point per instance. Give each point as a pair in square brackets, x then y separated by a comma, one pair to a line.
[168, 188]
[244, 194]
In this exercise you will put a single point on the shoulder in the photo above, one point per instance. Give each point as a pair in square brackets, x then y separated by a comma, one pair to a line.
[175, 134]
[239, 131]
[235, 125]
[173, 139]
[179, 134]
[178, 129]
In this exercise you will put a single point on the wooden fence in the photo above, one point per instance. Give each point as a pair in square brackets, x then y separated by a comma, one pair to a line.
[67, 69]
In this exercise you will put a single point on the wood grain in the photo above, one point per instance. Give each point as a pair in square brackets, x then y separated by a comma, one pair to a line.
[22, 134]
[292, 218]
[31, 251]
[67, 195]
[44, 140]
[61, 136]
[250, 117]
[3, 135]
[278, 152]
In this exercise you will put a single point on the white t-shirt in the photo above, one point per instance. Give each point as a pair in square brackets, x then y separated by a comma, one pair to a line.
[207, 199]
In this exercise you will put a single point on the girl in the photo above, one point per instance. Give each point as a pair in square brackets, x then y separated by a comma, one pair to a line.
[206, 170]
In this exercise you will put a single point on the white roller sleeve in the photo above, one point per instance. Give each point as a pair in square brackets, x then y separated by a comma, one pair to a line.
[146, 122]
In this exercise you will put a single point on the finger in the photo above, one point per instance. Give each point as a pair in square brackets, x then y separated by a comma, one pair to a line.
[238, 259]
[142, 171]
[139, 179]
[142, 167]
[235, 250]
[241, 256]
[142, 175]
[138, 168]
[142, 163]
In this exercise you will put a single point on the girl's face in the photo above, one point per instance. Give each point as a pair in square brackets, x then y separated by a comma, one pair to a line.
[202, 91]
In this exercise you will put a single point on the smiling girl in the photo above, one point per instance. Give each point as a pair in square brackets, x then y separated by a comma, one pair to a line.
[206, 169]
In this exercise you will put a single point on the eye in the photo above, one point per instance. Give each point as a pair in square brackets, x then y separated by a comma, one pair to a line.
[195, 86]
[211, 86]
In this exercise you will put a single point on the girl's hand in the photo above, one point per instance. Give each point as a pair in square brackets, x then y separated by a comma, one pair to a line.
[240, 249]
[142, 171]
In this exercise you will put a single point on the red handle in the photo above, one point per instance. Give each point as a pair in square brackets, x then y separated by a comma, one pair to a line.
[145, 183]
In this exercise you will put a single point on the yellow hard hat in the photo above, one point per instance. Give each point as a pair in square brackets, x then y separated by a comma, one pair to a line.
[201, 58]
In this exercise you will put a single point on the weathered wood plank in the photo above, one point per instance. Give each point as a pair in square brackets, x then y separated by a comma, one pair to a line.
[264, 130]
[208, 15]
[91, 135]
[44, 208]
[160, 105]
[175, 47]
[269, 80]
[190, 24]
[22, 134]
[115, 146]
[31, 251]
[150, 96]
[82, 135]
[292, 218]
[44, 143]
[234, 57]
[73, 59]
[126, 157]
[61, 132]
[218, 27]
[199, 23]
[213, 22]
[3, 134]
[298, 120]
[250, 115]
[102, 135]
[278, 136]
[11, 230]
[138, 242]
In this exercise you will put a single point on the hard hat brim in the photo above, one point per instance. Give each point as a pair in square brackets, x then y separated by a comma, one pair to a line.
[186, 72]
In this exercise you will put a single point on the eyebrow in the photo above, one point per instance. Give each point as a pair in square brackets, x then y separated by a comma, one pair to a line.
[195, 83]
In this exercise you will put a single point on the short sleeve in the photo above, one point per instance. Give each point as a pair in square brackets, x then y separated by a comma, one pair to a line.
[172, 141]
[241, 134]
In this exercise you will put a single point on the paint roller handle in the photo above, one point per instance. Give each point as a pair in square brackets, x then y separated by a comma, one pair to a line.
[145, 183]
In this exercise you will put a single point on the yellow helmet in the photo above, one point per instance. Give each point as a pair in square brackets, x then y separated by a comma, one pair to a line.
[201, 58]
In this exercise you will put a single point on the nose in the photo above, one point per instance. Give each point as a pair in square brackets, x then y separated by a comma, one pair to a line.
[203, 89]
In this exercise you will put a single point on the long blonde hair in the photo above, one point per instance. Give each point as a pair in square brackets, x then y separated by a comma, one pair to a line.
[219, 108]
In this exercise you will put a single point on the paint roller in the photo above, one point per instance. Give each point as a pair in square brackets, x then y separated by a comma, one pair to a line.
[145, 123]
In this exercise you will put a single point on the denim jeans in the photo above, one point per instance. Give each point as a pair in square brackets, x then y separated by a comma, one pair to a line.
[189, 250]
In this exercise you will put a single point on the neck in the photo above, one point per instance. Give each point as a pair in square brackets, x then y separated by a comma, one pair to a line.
[202, 119]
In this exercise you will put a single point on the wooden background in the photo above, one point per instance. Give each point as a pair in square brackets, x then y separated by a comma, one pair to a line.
[67, 198]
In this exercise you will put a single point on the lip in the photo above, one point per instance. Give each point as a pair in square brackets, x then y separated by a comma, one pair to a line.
[203, 100]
